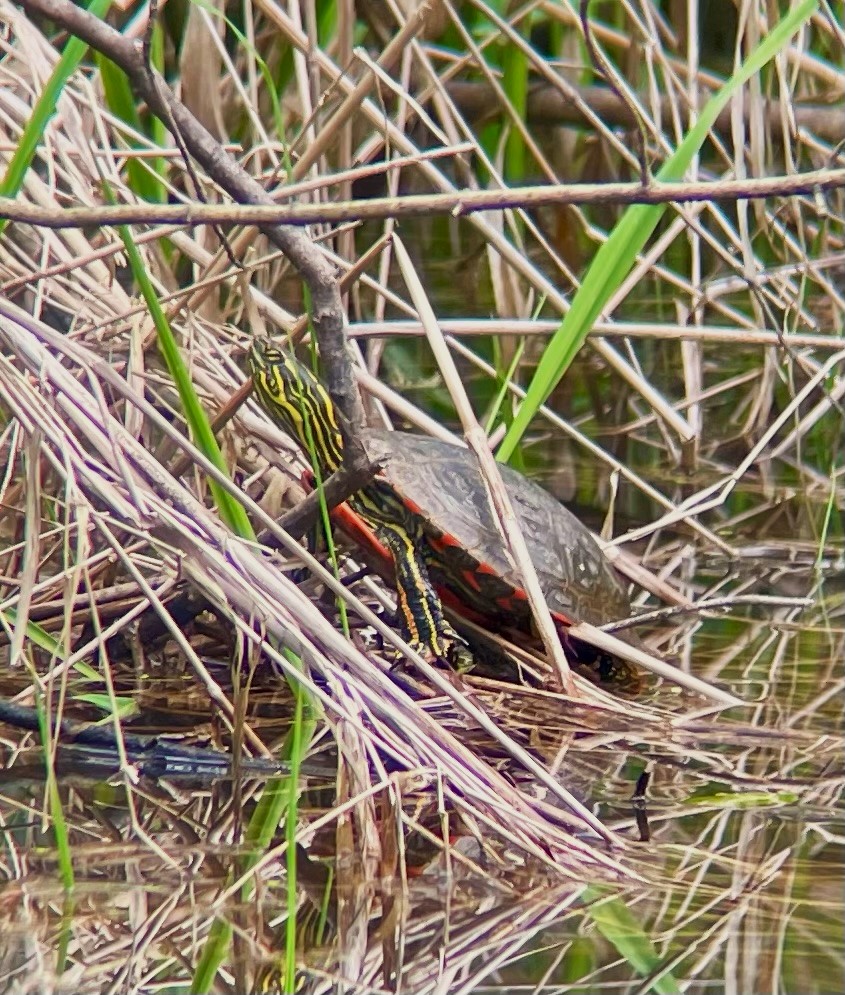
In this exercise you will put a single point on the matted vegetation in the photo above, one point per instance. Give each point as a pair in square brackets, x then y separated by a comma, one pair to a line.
[471, 177]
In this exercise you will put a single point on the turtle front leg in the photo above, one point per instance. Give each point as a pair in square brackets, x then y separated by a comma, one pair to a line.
[424, 626]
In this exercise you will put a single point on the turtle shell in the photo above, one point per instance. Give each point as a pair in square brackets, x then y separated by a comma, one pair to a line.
[443, 485]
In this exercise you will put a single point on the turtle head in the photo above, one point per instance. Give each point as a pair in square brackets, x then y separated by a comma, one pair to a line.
[297, 402]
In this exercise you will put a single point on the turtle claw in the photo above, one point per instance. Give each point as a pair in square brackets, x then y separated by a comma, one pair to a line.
[451, 649]
[459, 656]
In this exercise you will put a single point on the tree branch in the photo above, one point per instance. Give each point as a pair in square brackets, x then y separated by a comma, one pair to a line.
[546, 104]
[458, 204]
[317, 272]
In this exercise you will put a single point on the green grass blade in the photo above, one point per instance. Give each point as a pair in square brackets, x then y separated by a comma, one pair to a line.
[503, 393]
[54, 801]
[121, 102]
[214, 954]
[231, 511]
[301, 733]
[127, 708]
[618, 924]
[279, 799]
[828, 522]
[617, 255]
[157, 129]
[515, 85]
[44, 109]
[35, 634]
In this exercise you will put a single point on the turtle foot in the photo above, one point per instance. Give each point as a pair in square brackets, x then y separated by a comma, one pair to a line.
[450, 650]
[459, 656]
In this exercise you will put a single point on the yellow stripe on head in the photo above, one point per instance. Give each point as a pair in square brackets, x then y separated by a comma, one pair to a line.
[296, 400]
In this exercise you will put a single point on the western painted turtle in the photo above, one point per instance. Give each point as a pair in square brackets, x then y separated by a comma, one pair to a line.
[430, 508]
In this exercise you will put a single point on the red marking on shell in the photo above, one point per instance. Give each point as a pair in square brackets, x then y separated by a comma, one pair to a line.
[412, 505]
[352, 525]
[471, 578]
[452, 600]
[443, 541]
[485, 568]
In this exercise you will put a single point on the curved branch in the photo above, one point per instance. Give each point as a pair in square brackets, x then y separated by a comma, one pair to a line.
[317, 272]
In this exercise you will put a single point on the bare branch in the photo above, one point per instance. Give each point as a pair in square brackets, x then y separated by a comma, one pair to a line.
[547, 105]
[458, 204]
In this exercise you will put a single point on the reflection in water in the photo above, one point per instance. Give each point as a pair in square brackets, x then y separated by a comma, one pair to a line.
[740, 885]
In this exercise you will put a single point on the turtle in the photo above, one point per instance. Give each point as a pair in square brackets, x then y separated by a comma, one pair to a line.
[429, 507]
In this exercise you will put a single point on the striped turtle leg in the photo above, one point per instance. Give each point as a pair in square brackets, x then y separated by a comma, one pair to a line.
[424, 627]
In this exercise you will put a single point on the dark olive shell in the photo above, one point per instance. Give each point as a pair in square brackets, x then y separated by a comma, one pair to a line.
[442, 483]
